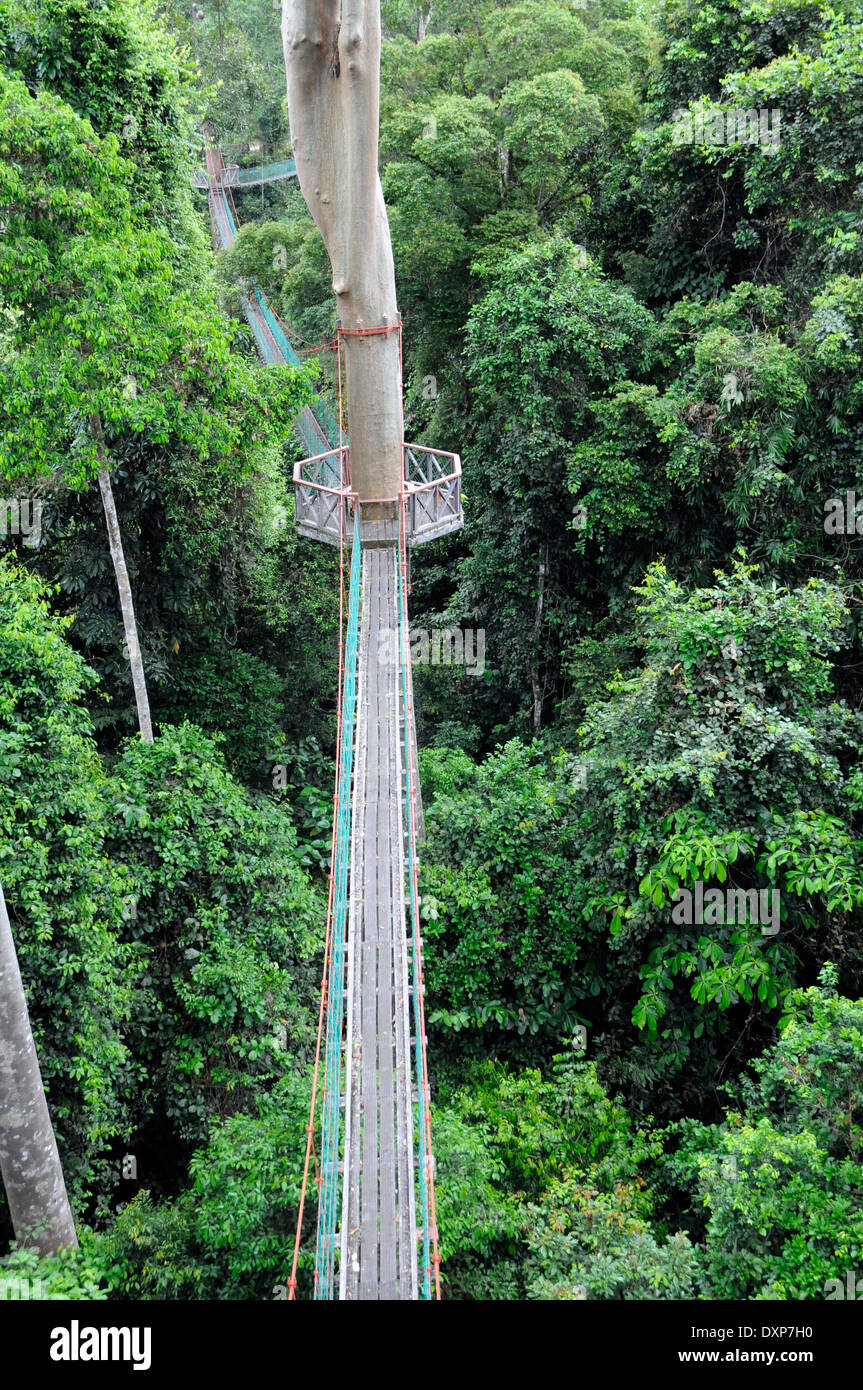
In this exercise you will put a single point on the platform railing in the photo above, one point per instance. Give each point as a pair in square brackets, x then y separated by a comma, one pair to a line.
[432, 493]
[321, 492]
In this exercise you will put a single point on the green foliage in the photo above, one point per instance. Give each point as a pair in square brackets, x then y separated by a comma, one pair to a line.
[113, 350]
[811, 1077]
[548, 888]
[100, 324]
[729, 719]
[551, 333]
[248, 1186]
[227, 1237]
[539, 1127]
[497, 897]
[237, 54]
[72, 1274]
[589, 1244]
[118, 67]
[64, 891]
[230, 1235]
[778, 1181]
[224, 924]
[478, 1222]
[540, 1192]
[502, 122]
[163, 920]
[743, 209]
[520, 39]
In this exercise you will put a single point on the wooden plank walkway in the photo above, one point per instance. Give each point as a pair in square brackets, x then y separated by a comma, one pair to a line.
[378, 1237]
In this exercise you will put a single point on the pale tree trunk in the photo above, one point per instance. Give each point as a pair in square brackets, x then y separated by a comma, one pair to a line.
[332, 61]
[423, 22]
[536, 685]
[124, 589]
[29, 1161]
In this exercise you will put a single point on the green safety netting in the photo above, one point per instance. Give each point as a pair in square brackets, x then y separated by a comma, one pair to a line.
[266, 173]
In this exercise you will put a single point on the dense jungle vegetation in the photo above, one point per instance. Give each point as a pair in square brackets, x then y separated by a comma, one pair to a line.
[647, 349]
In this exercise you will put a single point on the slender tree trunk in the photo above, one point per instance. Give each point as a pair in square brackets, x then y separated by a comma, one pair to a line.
[124, 589]
[332, 61]
[423, 22]
[536, 685]
[29, 1161]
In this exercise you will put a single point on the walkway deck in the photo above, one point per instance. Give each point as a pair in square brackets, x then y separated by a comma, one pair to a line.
[379, 1237]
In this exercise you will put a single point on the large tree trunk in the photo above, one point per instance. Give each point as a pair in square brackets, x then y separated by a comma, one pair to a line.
[332, 60]
[29, 1162]
[124, 589]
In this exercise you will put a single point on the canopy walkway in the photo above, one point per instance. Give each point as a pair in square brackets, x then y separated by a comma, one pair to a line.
[376, 1237]
[316, 425]
[376, 1226]
[232, 176]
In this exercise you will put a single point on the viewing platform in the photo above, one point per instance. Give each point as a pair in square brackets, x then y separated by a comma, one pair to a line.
[325, 504]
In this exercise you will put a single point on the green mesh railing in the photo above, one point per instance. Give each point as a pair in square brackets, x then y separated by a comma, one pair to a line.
[328, 422]
[319, 408]
[275, 328]
[328, 1202]
[266, 173]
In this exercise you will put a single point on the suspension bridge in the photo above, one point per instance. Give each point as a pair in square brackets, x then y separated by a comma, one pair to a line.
[371, 1155]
